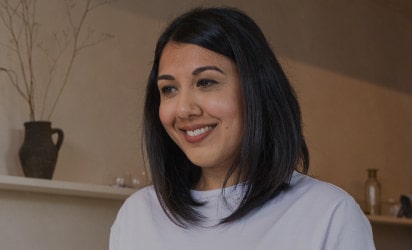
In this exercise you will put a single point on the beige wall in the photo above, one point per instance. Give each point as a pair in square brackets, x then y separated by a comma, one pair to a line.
[38, 221]
[350, 62]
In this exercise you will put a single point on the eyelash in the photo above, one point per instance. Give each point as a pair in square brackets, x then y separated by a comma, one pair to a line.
[202, 83]
[167, 90]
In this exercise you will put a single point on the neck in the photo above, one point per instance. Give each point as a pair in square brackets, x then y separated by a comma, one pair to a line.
[211, 179]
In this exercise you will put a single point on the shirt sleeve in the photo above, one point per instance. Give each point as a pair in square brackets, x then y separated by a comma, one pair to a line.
[114, 238]
[115, 232]
[349, 228]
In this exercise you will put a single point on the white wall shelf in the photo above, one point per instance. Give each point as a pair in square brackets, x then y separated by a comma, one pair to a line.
[382, 219]
[16, 183]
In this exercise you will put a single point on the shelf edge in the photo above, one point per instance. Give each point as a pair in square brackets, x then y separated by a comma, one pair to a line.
[17, 183]
[382, 219]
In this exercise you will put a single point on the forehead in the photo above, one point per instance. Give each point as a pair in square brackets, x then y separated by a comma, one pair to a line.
[175, 55]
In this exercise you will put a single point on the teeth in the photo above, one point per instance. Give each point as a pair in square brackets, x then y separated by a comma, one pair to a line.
[199, 131]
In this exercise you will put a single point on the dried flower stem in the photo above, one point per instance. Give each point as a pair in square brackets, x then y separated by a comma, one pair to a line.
[19, 19]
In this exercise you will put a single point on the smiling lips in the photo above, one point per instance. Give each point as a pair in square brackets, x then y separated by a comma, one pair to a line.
[196, 135]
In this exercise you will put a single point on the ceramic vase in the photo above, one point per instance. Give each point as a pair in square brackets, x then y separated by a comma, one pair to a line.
[38, 153]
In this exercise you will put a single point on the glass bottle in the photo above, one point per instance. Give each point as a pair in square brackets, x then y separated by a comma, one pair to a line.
[372, 193]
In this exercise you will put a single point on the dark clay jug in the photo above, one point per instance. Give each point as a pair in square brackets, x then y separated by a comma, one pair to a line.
[38, 154]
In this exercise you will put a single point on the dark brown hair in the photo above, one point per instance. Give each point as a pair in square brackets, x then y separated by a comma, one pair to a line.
[273, 145]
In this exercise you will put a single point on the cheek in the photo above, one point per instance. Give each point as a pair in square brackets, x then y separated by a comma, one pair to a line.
[165, 115]
[228, 108]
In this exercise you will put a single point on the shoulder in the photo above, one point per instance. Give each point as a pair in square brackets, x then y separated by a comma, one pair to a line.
[319, 190]
[344, 224]
[142, 199]
[145, 193]
[140, 204]
[141, 208]
[323, 201]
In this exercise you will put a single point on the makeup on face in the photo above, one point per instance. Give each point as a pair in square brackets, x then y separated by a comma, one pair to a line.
[201, 104]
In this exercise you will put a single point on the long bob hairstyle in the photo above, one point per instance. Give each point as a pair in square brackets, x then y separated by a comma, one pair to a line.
[272, 146]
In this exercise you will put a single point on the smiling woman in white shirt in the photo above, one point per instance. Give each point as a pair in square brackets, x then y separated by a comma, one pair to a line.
[224, 140]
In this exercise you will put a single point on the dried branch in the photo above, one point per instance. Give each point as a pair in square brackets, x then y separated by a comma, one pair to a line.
[19, 19]
[76, 32]
[52, 64]
[76, 36]
[21, 10]
[13, 79]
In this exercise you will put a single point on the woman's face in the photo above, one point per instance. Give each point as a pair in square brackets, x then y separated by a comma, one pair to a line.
[201, 104]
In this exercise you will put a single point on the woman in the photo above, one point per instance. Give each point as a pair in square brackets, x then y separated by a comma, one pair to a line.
[224, 140]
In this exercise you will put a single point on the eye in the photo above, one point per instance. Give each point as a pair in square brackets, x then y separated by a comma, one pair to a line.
[167, 90]
[204, 83]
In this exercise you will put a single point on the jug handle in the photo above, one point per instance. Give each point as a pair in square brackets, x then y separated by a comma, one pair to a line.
[60, 136]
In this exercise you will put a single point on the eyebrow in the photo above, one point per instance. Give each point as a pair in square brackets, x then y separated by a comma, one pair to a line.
[204, 68]
[195, 72]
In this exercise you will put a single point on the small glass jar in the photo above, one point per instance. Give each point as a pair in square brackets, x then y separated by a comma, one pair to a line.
[372, 193]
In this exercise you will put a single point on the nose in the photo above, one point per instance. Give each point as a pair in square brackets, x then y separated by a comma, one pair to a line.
[188, 106]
